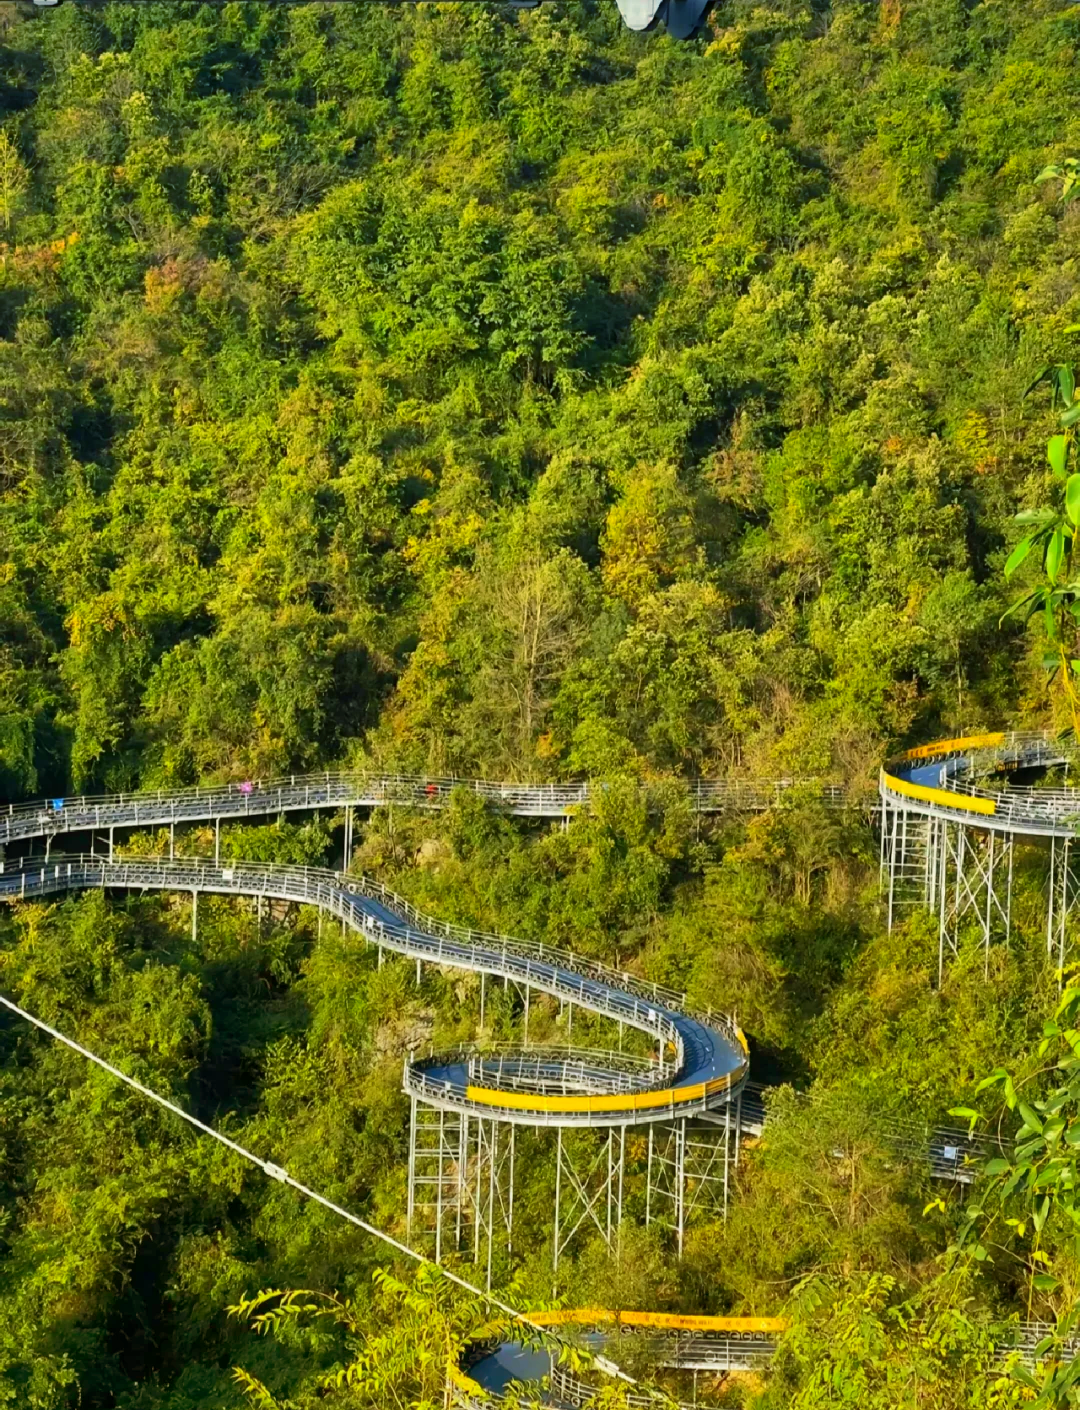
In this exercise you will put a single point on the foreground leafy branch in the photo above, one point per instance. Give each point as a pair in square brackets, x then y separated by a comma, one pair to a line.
[1026, 1212]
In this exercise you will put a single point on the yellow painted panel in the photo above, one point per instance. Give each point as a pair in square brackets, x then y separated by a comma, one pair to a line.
[675, 1321]
[632, 1101]
[955, 746]
[458, 1378]
[944, 799]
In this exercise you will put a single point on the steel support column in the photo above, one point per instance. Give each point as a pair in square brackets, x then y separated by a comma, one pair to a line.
[461, 1184]
[689, 1171]
[589, 1185]
[1063, 893]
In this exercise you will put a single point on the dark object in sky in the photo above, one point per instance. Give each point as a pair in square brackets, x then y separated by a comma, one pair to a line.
[681, 17]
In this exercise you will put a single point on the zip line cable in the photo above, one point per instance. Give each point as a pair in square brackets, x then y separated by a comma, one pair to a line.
[275, 1171]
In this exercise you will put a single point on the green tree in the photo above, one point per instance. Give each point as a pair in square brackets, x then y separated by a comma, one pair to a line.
[14, 179]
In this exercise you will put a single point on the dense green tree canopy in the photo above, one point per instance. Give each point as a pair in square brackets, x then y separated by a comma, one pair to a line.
[471, 390]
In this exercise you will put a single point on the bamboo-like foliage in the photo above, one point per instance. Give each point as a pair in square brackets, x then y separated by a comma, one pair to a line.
[406, 1352]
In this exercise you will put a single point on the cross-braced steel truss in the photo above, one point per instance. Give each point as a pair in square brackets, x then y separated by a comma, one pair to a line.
[590, 1174]
[689, 1170]
[972, 874]
[462, 1172]
[1064, 892]
[907, 860]
[957, 872]
[461, 1184]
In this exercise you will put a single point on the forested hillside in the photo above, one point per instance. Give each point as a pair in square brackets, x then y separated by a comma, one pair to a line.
[458, 390]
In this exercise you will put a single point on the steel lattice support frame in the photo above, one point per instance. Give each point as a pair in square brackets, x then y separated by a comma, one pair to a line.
[689, 1170]
[492, 1183]
[462, 1169]
[957, 872]
[1064, 892]
[438, 1167]
[590, 1174]
[460, 1184]
[972, 871]
[905, 858]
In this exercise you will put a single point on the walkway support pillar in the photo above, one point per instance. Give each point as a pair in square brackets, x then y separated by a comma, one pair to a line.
[558, 1195]
[412, 1168]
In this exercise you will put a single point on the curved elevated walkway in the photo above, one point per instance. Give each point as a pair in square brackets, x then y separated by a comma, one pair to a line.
[951, 780]
[702, 1061]
[715, 1345]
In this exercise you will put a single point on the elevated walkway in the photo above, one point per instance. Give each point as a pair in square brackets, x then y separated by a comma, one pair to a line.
[948, 826]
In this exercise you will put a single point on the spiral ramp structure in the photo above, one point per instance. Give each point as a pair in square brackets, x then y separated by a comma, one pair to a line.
[467, 1105]
[949, 822]
[952, 815]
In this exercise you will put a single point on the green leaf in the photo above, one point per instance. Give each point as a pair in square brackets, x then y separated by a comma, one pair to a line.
[1055, 553]
[998, 1075]
[997, 1166]
[1031, 602]
[1029, 1117]
[1045, 1282]
[1072, 416]
[1066, 380]
[1057, 453]
[1043, 375]
[968, 1113]
[1019, 553]
[1035, 516]
[1040, 1212]
[1053, 1128]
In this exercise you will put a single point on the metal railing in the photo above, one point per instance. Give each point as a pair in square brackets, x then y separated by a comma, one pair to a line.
[612, 993]
[533, 949]
[730, 1355]
[1024, 1337]
[728, 1351]
[308, 792]
[567, 1071]
[1021, 809]
[732, 1351]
